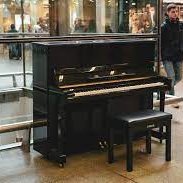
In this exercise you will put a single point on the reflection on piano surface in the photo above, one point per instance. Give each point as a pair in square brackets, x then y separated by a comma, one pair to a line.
[78, 83]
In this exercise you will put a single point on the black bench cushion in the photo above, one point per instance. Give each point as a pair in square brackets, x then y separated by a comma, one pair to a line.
[140, 116]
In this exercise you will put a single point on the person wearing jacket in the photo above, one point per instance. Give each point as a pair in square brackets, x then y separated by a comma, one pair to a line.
[14, 48]
[171, 53]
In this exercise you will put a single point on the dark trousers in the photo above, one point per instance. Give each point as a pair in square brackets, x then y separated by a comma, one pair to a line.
[15, 50]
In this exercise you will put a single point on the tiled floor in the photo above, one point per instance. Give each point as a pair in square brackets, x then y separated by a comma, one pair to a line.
[17, 167]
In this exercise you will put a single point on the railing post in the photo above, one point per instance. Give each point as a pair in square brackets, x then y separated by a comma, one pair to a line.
[14, 81]
[26, 140]
[23, 59]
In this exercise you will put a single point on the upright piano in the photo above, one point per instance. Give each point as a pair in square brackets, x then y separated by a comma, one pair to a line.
[78, 84]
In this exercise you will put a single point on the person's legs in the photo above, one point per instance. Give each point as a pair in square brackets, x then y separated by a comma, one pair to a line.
[178, 71]
[170, 74]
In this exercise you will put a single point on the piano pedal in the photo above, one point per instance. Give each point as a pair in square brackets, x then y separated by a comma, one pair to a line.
[103, 145]
[61, 165]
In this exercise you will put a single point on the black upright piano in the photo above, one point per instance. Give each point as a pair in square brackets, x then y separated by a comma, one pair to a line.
[78, 84]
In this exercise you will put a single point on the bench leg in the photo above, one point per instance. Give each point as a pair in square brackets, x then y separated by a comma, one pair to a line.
[148, 142]
[110, 147]
[168, 141]
[129, 151]
[161, 132]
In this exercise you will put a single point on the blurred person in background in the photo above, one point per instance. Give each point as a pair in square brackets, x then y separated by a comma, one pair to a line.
[14, 48]
[171, 46]
[78, 26]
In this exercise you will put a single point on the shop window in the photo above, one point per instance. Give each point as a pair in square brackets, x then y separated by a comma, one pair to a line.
[35, 14]
[63, 17]
[102, 16]
[137, 16]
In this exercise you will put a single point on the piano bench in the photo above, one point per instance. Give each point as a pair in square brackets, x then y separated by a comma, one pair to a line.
[139, 122]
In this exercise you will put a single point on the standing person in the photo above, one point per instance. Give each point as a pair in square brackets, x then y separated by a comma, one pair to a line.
[78, 26]
[171, 46]
[14, 48]
[37, 28]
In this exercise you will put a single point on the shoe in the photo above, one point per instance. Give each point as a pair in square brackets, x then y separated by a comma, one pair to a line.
[175, 106]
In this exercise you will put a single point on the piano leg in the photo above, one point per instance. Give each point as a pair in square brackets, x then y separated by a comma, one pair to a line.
[61, 129]
[110, 144]
[56, 129]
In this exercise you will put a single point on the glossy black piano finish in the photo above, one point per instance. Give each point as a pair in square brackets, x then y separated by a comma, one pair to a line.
[64, 70]
[86, 54]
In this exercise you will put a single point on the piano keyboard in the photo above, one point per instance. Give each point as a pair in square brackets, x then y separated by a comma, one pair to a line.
[117, 89]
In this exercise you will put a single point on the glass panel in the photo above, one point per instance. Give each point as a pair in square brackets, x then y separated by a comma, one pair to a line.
[137, 16]
[64, 17]
[111, 16]
[18, 109]
[9, 11]
[36, 16]
[11, 70]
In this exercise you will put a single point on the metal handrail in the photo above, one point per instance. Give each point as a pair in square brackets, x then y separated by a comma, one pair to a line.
[14, 74]
[169, 99]
[85, 36]
[22, 34]
[26, 125]
[21, 125]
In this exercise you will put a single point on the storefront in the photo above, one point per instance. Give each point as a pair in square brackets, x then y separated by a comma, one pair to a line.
[63, 17]
[104, 16]
[35, 12]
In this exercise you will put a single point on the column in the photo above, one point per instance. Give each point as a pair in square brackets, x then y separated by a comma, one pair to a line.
[100, 16]
[79, 12]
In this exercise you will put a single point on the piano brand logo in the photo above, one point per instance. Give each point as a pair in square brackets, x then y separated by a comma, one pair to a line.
[150, 126]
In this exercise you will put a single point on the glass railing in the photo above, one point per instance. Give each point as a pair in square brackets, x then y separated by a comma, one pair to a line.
[16, 75]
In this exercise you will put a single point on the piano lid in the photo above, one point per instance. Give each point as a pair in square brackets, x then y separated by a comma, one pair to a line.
[92, 53]
[98, 41]
[82, 61]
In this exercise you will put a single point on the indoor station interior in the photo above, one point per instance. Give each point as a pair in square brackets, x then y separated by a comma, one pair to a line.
[86, 91]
